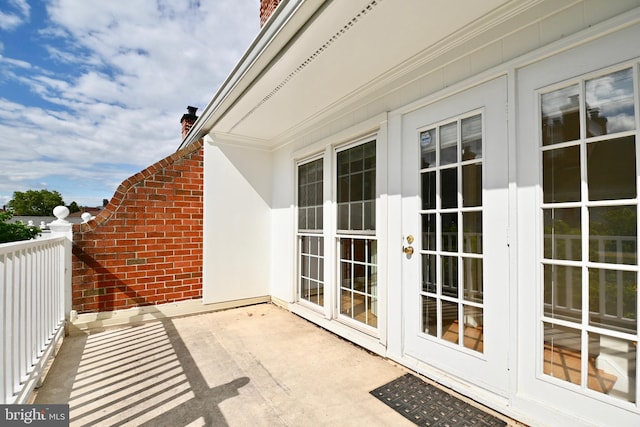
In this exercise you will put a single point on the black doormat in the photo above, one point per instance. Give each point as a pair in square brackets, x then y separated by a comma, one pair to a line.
[426, 405]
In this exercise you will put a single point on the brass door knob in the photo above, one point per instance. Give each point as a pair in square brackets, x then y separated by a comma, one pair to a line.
[408, 250]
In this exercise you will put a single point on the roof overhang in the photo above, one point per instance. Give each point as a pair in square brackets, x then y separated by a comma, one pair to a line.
[314, 57]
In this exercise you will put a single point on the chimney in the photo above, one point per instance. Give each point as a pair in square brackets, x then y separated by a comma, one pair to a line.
[266, 9]
[188, 120]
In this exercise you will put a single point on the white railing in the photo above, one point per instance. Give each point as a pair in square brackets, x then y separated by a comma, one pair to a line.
[35, 296]
[609, 284]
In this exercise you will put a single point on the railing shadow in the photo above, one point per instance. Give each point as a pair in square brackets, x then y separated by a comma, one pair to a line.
[139, 375]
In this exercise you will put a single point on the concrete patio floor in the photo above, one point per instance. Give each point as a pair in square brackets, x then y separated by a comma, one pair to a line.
[252, 366]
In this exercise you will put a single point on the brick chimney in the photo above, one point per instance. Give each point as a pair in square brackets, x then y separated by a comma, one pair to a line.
[266, 9]
[188, 120]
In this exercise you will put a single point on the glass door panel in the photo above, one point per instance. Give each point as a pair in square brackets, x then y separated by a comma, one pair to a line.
[590, 235]
[453, 291]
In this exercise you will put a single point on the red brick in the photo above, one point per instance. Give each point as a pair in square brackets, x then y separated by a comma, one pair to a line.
[155, 215]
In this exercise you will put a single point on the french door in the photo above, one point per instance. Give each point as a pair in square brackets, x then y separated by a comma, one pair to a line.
[455, 260]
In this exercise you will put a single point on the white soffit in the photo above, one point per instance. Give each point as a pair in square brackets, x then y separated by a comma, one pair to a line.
[347, 46]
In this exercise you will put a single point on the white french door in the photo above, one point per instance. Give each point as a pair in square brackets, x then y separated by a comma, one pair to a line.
[455, 217]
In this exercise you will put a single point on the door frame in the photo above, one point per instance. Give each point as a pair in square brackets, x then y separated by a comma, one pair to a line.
[488, 369]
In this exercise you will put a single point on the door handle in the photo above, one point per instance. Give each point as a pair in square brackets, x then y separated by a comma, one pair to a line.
[407, 250]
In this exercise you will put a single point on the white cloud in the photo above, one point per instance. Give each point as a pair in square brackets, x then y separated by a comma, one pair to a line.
[134, 71]
[9, 21]
[18, 15]
[14, 62]
[22, 6]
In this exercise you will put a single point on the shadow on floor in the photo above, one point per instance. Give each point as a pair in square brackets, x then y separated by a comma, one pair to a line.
[141, 375]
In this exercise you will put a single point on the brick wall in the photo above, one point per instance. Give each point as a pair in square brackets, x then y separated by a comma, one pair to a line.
[145, 246]
[266, 9]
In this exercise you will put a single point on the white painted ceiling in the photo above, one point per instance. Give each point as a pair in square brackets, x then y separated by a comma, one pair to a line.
[349, 46]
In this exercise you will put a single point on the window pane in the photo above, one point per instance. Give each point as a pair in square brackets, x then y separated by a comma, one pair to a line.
[560, 116]
[473, 328]
[359, 278]
[563, 292]
[562, 353]
[429, 232]
[613, 297]
[355, 216]
[359, 252]
[472, 138]
[369, 153]
[563, 234]
[449, 232]
[343, 216]
[449, 188]
[311, 218]
[356, 187]
[427, 149]
[369, 185]
[369, 215]
[343, 165]
[320, 300]
[319, 218]
[346, 246]
[346, 275]
[472, 279]
[450, 323]
[450, 276]
[472, 185]
[472, 232]
[612, 234]
[610, 103]
[616, 374]
[611, 169]
[373, 251]
[449, 143]
[429, 273]
[561, 176]
[356, 159]
[430, 316]
[428, 190]
[346, 302]
[302, 219]
[343, 189]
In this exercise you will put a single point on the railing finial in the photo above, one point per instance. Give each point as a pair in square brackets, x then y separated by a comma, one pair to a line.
[60, 224]
[60, 212]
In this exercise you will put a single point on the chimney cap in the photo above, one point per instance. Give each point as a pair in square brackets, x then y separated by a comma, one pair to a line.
[190, 115]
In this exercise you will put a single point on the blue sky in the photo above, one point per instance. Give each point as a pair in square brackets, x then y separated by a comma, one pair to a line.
[92, 91]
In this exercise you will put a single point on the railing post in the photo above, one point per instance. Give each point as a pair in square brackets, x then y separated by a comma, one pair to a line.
[62, 227]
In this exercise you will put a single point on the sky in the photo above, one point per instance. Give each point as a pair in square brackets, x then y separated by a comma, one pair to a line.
[92, 91]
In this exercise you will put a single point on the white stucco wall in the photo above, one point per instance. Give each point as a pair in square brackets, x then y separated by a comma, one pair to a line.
[237, 222]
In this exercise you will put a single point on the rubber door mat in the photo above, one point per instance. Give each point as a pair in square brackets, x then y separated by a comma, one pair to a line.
[426, 405]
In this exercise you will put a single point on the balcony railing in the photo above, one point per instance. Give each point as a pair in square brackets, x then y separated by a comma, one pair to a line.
[35, 278]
